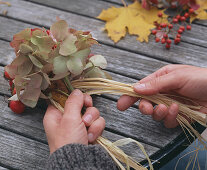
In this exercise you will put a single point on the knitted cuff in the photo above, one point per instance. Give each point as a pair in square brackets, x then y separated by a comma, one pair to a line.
[80, 157]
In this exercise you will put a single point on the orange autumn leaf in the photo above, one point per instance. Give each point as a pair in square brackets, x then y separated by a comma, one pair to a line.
[200, 13]
[137, 20]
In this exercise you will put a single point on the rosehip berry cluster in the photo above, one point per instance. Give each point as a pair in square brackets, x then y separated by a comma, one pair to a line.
[16, 106]
[164, 30]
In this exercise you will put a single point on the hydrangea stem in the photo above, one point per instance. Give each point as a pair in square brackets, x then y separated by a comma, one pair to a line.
[68, 84]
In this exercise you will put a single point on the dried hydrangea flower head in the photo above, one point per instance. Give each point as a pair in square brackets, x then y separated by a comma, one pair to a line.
[44, 56]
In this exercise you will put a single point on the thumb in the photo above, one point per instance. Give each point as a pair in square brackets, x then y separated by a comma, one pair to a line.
[74, 104]
[160, 84]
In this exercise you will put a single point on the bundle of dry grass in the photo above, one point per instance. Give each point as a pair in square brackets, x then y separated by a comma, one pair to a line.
[186, 112]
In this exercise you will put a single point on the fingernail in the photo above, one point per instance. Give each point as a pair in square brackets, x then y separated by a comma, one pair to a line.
[139, 86]
[90, 137]
[76, 92]
[88, 119]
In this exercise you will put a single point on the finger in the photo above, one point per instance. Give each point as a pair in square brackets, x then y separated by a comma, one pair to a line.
[90, 115]
[125, 102]
[51, 119]
[88, 102]
[145, 107]
[160, 84]
[162, 71]
[96, 129]
[160, 112]
[170, 120]
[73, 105]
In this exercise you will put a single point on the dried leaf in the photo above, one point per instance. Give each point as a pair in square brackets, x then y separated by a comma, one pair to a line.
[134, 18]
[59, 30]
[35, 61]
[59, 65]
[25, 49]
[200, 13]
[25, 68]
[97, 73]
[44, 43]
[75, 65]
[82, 54]
[68, 45]
[98, 61]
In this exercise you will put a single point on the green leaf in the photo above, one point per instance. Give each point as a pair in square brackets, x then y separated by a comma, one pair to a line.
[98, 61]
[25, 49]
[23, 35]
[59, 30]
[97, 73]
[44, 43]
[35, 61]
[59, 64]
[75, 65]
[68, 45]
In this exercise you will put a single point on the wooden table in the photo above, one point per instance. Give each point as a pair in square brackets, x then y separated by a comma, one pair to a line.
[23, 143]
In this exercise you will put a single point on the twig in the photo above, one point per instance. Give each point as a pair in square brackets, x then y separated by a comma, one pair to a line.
[68, 84]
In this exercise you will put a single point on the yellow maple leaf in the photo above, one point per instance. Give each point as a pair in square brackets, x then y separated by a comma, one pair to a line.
[134, 18]
[200, 13]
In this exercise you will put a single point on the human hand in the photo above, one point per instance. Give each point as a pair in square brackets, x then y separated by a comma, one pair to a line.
[70, 127]
[183, 80]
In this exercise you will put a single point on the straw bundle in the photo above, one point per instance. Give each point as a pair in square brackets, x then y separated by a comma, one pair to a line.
[186, 112]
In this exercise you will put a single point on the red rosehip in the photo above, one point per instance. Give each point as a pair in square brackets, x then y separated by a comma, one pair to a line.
[175, 20]
[168, 41]
[10, 83]
[159, 14]
[188, 27]
[157, 39]
[163, 25]
[54, 47]
[17, 106]
[182, 18]
[14, 91]
[170, 26]
[168, 46]
[6, 75]
[180, 31]
[178, 17]
[154, 32]
[182, 28]
[177, 40]
[186, 15]
[163, 41]
[90, 55]
[159, 28]
[165, 36]
[48, 32]
[191, 10]
[178, 36]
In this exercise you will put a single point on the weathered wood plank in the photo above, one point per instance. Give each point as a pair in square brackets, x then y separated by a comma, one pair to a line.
[22, 153]
[184, 53]
[131, 122]
[95, 7]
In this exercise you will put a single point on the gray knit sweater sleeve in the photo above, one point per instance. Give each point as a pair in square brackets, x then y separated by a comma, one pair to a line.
[80, 157]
